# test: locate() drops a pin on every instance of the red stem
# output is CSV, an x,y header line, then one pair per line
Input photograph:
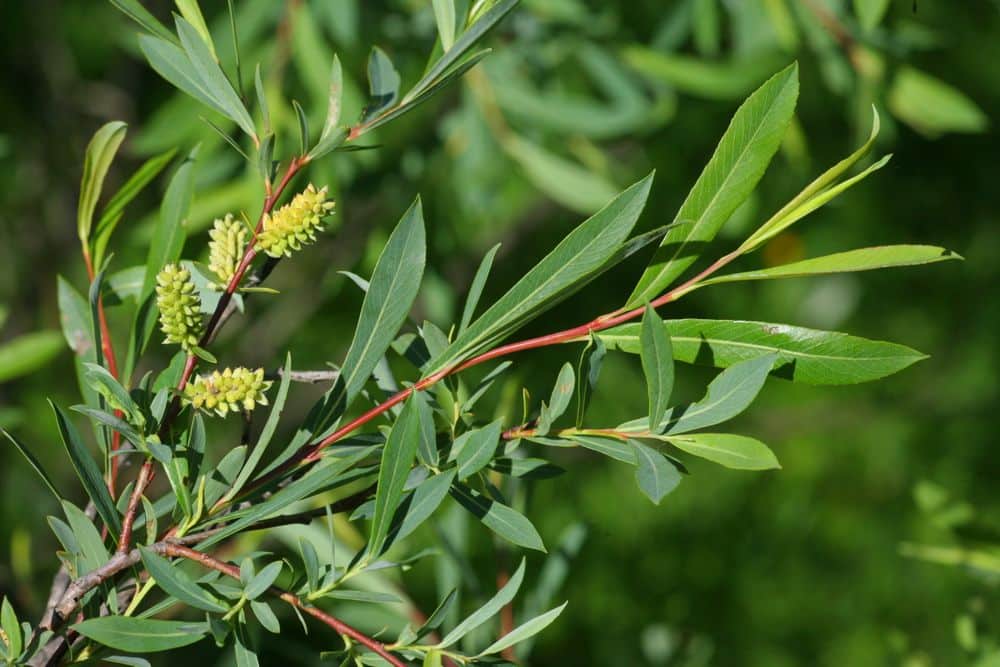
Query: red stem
x,y
336,624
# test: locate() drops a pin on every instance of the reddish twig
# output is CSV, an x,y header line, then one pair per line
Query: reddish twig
x,y
336,624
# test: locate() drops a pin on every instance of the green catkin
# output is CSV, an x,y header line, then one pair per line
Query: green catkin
x,y
180,307
295,224
232,390
228,241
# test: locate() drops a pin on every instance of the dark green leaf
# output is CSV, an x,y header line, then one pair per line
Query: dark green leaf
x,y
303,127
141,635
176,583
416,509
657,364
476,288
576,260
527,629
505,521
92,549
383,83
262,581
559,400
397,458
88,472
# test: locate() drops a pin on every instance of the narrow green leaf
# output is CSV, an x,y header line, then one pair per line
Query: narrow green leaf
x,y
324,475
172,63
135,11
262,581
477,449
141,635
33,462
739,162
112,213
335,98
87,471
862,259
265,112
266,616
397,458
176,583
266,433
166,246
444,16
729,394
654,473
28,353
657,364
192,13
243,652
559,400
300,114
488,610
383,83
393,288
116,396
85,534
580,257
100,152
732,451
527,629
476,288
610,447
310,562
805,355
416,509
213,80
505,521
473,34
818,193
702,77
12,629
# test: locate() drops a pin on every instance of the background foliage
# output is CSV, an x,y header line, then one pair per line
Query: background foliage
x,y
800,566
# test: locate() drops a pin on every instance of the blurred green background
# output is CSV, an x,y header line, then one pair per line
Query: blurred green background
x,y
796,567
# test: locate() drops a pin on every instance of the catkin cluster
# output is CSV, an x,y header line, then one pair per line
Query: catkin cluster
x,y
226,245
180,306
295,224
232,390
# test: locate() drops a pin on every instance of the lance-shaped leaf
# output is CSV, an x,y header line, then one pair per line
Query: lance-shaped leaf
x,y
33,462
383,83
503,597
397,458
87,471
654,473
732,451
390,294
579,258
862,259
465,41
729,394
505,521
476,448
419,506
100,152
817,193
28,353
444,16
805,355
113,212
559,400
738,163
175,582
527,629
657,364
476,288
141,635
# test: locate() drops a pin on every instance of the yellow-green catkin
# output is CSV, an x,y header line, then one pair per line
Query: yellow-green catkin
x,y
227,243
295,224
180,306
232,390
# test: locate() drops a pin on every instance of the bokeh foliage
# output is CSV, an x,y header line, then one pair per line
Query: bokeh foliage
x,y
797,567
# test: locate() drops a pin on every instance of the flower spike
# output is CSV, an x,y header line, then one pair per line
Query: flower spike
x,y
295,224
180,307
